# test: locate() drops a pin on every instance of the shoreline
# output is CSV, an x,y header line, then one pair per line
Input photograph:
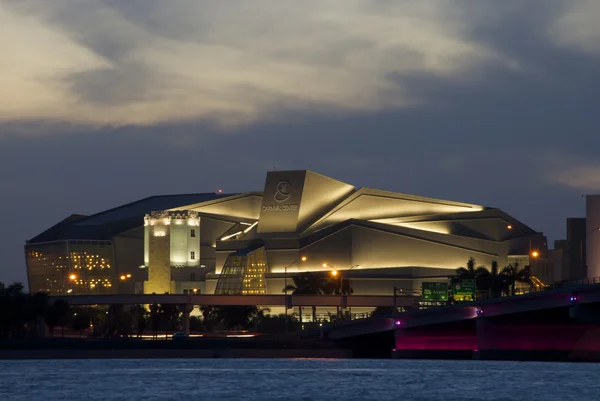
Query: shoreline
x,y
174,354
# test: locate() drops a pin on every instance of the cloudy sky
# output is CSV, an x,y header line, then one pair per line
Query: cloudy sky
x,y
107,101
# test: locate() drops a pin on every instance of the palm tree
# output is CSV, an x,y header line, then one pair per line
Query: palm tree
x,y
309,283
514,273
235,316
493,281
471,272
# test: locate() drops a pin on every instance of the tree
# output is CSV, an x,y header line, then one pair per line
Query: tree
x,y
171,317
276,324
81,320
140,317
471,272
494,281
514,273
57,314
309,283
234,317
39,309
155,318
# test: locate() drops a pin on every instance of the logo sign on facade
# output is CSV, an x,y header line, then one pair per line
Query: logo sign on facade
x,y
437,291
465,290
283,192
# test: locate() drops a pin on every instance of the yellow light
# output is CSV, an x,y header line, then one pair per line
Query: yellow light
x,y
129,276
334,273
324,264
123,277
535,254
509,227
303,258
195,290
72,277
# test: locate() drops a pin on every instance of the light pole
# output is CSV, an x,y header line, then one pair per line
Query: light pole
x,y
302,259
334,273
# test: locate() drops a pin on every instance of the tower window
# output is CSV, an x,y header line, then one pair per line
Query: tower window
x,y
193,233
192,255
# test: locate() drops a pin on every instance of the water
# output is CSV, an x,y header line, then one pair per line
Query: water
x,y
299,379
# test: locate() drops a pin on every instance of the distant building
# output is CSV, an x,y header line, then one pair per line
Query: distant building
x,y
98,254
592,235
569,255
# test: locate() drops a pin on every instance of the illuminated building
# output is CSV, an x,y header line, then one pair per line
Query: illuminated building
x,y
98,254
252,243
304,221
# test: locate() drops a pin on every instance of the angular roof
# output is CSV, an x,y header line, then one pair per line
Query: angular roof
x,y
106,224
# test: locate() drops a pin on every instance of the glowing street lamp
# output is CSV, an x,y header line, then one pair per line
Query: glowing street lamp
x,y
535,254
72,277
123,277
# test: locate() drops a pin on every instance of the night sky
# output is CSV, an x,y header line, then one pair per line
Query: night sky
x,y
104,102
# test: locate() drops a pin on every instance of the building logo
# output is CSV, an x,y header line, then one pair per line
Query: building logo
x,y
283,191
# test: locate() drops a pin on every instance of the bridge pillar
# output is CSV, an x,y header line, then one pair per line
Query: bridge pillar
x,y
588,313
186,309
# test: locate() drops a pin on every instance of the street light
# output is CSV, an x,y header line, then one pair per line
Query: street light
x,y
72,277
334,272
535,254
285,269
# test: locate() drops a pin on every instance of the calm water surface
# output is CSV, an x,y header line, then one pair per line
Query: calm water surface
x,y
296,379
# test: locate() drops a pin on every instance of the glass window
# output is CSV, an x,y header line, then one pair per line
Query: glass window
x,y
192,255
193,233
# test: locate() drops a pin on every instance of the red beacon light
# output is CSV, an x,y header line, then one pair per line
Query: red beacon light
x,y
220,191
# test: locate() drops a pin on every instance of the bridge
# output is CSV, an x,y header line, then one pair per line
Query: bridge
x,y
188,301
557,324
346,301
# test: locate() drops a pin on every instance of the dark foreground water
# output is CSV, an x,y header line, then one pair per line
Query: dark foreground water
x,y
300,379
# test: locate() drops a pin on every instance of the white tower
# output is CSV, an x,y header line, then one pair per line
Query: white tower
x,y
171,241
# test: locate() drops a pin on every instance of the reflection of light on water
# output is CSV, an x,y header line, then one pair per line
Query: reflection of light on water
x,y
162,336
240,335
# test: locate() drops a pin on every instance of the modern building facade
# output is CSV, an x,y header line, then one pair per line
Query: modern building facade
x,y
303,221
254,243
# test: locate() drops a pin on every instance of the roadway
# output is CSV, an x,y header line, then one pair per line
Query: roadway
x,y
245,300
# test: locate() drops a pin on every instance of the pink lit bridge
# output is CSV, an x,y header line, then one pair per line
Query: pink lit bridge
x,y
560,324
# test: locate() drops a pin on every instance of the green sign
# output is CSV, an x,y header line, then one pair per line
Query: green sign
x,y
465,290
434,291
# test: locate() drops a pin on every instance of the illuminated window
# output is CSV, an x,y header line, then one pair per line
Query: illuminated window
x,y
193,233
192,255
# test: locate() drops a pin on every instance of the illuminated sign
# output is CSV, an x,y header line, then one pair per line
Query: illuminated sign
x,y
279,208
465,290
283,192
435,291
